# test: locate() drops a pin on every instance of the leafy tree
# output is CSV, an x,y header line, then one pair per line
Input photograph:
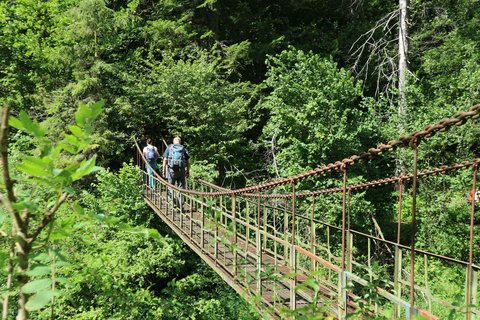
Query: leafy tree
x,y
190,97
316,114
33,197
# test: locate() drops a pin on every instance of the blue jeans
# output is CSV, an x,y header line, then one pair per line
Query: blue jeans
x,y
154,165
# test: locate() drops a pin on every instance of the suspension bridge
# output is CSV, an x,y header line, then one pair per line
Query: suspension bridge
x,y
277,246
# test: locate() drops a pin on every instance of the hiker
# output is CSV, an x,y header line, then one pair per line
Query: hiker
x,y
150,152
176,168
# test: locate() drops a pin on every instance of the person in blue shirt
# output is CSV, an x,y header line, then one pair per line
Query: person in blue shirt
x,y
150,152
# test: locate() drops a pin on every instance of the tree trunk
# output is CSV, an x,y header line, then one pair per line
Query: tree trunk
x,y
403,55
402,75
23,249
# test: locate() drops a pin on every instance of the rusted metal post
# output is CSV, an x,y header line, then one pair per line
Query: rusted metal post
x,y
202,213
349,236
293,260
259,247
234,249
397,284
285,230
275,211
191,214
469,293
313,234
265,225
215,232
342,305
414,228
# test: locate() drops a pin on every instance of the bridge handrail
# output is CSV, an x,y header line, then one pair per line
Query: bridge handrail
x,y
359,186
430,130
379,182
461,165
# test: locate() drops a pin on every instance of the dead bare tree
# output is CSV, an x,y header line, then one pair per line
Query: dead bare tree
x,y
373,49
402,76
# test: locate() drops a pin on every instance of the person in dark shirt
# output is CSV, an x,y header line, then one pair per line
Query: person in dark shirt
x,y
176,168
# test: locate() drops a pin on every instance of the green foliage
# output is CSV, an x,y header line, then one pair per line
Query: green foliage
x,y
43,168
115,272
315,115
184,67
43,182
190,97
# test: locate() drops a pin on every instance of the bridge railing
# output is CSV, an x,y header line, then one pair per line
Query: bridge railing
x,y
279,246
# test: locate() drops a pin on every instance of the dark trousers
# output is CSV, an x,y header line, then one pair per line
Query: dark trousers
x,y
177,178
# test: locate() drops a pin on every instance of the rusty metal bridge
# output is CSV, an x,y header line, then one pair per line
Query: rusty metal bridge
x,y
280,248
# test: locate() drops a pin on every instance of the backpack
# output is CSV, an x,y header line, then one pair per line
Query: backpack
x,y
151,154
176,157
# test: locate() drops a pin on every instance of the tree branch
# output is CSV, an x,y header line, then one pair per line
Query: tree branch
x,y
10,196
48,217
369,50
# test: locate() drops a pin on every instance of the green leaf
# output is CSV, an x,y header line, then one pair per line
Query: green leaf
x,y
86,114
81,115
86,167
39,300
42,257
34,167
25,123
39,271
67,147
64,281
3,217
14,122
78,208
154,234
96,109
3,259
312,284
74,141
36,285
77,131
62,264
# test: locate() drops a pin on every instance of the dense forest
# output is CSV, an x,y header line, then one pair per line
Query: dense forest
x,y
258,90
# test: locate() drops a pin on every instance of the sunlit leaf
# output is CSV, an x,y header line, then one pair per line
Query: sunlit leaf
x,y
73,140
77,131
78,208
86,167
36,285
82,114
96,109
14,122
39,271
3,259
23,122
63,281
42,257
35,167
39,300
